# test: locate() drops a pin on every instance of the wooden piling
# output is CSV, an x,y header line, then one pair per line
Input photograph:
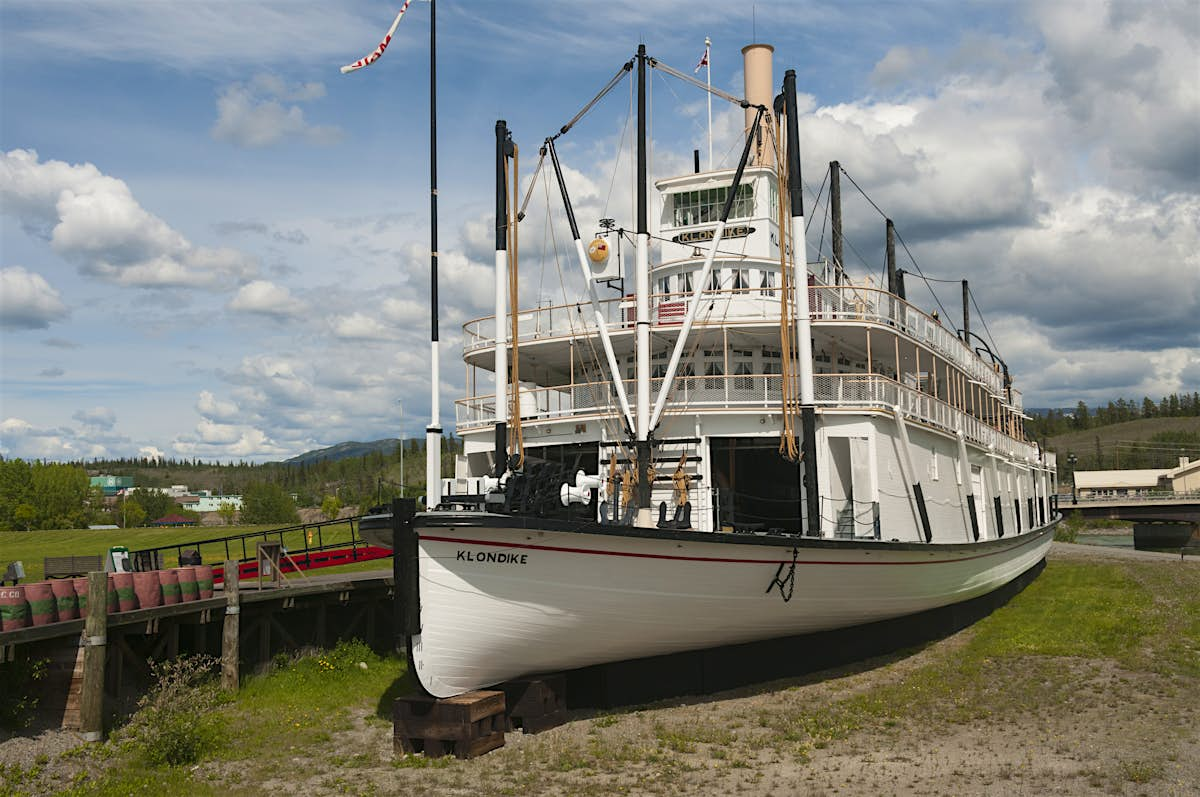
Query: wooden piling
x,y
95,642
229,639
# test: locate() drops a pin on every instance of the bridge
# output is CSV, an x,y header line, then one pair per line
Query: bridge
x,y
1178,507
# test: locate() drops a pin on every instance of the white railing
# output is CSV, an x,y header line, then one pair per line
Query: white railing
x,y
828,303
692,393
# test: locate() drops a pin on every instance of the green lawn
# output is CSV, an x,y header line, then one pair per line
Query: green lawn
x,y
30,547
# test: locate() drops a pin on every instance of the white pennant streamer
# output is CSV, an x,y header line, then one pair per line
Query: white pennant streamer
x,y
378,51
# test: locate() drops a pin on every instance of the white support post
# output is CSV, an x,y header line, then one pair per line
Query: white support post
x,y
964,485
501,336
685,330
433,436
605,340
908,471
642,291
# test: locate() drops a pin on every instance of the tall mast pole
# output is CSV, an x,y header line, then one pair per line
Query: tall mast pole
x,y
642,292
808,443
503,148
433,432
708,75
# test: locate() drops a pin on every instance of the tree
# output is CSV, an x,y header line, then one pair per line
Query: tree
x,y
330,507
132,513
154,503
1082,419
227,511
268,503
23,516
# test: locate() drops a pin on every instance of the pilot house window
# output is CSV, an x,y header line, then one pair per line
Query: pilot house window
x,y
700,207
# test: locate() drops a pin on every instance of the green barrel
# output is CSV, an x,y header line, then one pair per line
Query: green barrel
x,y
14,612
126,599
65,599
43,608
204,580
188,590
169,581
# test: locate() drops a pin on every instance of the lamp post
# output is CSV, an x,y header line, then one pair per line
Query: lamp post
x,y
1071,460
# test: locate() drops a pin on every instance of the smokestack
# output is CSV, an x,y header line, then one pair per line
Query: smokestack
x,y
966,329
696,161
756,60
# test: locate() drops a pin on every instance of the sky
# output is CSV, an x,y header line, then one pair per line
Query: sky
x,y
214,245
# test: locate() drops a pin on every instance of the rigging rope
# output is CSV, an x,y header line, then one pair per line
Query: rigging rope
x,y
516,435
656,64
625,69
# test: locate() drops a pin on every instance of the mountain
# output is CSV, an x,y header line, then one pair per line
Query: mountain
x,y
351,448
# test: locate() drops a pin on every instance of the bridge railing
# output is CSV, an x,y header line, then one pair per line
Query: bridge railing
x,y
1148,497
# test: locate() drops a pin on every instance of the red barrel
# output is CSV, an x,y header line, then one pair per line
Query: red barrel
x,y
65,599
80,585
147,589
187,583
14,612
169,581
40,598
204,580
114,603
126,598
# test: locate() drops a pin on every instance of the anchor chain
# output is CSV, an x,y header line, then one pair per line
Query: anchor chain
x,y
788,584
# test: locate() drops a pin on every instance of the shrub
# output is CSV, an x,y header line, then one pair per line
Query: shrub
x,y
176,721
19,697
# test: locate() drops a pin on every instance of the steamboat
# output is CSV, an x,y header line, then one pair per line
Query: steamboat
x,y
749,444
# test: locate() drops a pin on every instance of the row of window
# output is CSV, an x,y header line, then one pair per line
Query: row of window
x,y
711,362
705,205
720,278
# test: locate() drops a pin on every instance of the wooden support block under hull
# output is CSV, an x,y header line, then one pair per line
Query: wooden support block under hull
x,y
466,725
536,704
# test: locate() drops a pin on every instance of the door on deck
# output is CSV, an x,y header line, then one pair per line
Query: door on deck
x,y
851,508
979,490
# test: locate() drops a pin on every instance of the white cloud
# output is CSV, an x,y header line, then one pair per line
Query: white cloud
x,y
266,298
358,326
213,408
93,220
255,115
19,438
150,452
27,301
97,417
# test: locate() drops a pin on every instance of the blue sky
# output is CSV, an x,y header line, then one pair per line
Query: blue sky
x,y
213,244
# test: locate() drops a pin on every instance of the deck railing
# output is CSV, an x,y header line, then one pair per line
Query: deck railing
x,y
828,303
758,391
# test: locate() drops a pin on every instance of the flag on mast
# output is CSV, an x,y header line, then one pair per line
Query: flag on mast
x,y
703,58
383,45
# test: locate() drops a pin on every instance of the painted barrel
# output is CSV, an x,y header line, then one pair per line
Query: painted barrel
x,y
42,605
169,581
187,583
65,599
14,612
126,597
114,602
80,585
147,589
204,580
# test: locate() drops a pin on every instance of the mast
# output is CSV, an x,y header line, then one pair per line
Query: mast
x,y
891,257
642,292
966,330
708,80
433,432
835,213
808,415
503,147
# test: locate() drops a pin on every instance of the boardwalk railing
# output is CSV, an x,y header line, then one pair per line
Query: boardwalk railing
x,y
300,542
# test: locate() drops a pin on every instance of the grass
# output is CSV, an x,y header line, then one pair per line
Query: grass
x,y
1084,636
31,547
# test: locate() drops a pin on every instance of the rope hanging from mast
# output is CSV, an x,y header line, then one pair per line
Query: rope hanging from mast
x,y
516,436
739,101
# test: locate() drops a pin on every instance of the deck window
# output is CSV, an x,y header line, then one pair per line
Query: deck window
x,y
766,283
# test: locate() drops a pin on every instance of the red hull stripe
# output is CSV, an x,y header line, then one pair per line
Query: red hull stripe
x,y
559,549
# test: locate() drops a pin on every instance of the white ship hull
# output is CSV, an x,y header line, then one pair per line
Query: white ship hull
x,y
505,597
